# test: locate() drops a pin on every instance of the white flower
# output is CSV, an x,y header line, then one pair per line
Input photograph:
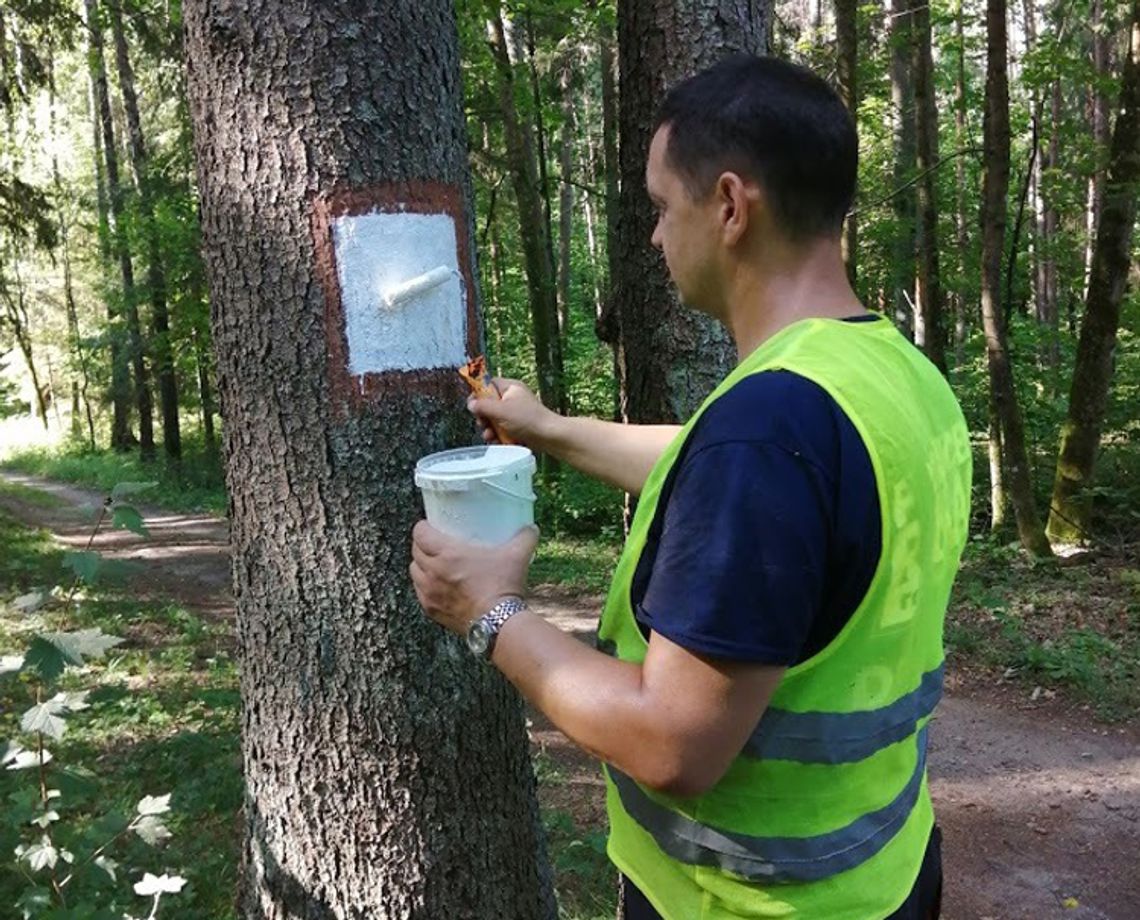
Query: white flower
x,y
159,884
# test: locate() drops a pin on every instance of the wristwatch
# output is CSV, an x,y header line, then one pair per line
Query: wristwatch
x,y
483,632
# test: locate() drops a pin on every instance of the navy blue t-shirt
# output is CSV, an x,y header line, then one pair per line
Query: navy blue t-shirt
x,y
768,530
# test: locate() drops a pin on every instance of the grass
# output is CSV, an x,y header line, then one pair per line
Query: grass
x,y
164,718
30,496
576,563
1076,627
194,485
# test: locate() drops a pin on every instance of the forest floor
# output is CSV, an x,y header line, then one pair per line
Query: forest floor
x,y
1038,799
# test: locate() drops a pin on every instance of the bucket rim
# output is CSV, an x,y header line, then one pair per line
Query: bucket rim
x,y
425,473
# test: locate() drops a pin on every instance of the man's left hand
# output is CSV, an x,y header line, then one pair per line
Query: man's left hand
x,y
458,582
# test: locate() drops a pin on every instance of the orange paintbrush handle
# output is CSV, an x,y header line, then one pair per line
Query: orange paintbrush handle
x,y
482,384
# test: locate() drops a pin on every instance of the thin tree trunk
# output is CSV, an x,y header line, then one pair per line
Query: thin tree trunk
x,y
122,438
928,282
1071,513
566,196
156,276
673,356
118,237
960,299
606,326
995,183
386,772
903,107
205,391
75,342
1098,106
847,58
533,229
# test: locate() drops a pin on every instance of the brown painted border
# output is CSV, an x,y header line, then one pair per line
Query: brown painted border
x,y
348,392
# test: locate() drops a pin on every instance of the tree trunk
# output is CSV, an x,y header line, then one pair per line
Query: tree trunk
x,y
205,391
960,299
566,195
1098,110
533,229
118,235
606,325
902,103
156,277
672,356
928,283
847,44
386,772
75,342
16,315
122,438
1070,517
995,183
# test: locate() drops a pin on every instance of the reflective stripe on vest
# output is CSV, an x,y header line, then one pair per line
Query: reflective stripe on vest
x,y
837,737
772,859
843,737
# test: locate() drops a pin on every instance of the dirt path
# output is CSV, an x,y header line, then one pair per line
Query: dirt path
x,y
1040,808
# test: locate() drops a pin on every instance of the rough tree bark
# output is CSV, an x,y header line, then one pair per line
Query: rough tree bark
x,y
155,274
386,772
672,356
995,184
928,282
534,227
118,235
847,61
1071,511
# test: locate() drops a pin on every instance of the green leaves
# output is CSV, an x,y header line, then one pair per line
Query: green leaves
x,y
52,653
129,519
123,489
148,825
85,564
46,717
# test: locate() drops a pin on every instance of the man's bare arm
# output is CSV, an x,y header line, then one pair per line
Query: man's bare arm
x,y
621,455
673,723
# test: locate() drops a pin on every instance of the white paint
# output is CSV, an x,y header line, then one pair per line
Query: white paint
x,y
417,286
379,254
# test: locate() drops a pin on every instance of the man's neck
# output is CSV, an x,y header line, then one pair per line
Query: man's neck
x,y
786,285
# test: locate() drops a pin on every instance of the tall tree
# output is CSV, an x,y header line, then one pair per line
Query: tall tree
x,y
118,234
995,184
847,61
903,113
156,276
1080,436
960,134
386,772
672,356
534,223
566,190
122,437
928,283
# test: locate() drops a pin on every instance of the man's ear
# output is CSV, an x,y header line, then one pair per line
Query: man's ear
x,y
735,198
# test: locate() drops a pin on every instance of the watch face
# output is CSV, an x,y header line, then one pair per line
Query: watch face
x,y
478,638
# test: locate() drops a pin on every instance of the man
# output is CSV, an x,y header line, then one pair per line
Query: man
x,y
771,648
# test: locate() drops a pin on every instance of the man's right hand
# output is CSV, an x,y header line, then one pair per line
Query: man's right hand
x,y
518,414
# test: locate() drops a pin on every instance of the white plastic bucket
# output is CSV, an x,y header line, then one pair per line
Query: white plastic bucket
x,y
481,494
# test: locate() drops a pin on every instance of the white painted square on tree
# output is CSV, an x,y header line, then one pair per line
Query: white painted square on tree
x,y
375,254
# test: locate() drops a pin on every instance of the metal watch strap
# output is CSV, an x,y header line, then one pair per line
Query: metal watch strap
x,y
494,619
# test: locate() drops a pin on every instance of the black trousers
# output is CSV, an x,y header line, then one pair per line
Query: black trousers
x,y
923,903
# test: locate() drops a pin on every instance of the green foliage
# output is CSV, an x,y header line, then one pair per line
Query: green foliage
x,y
587,888
63,823
194,485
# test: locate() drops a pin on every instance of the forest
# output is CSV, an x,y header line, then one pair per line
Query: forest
x,y
999,174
